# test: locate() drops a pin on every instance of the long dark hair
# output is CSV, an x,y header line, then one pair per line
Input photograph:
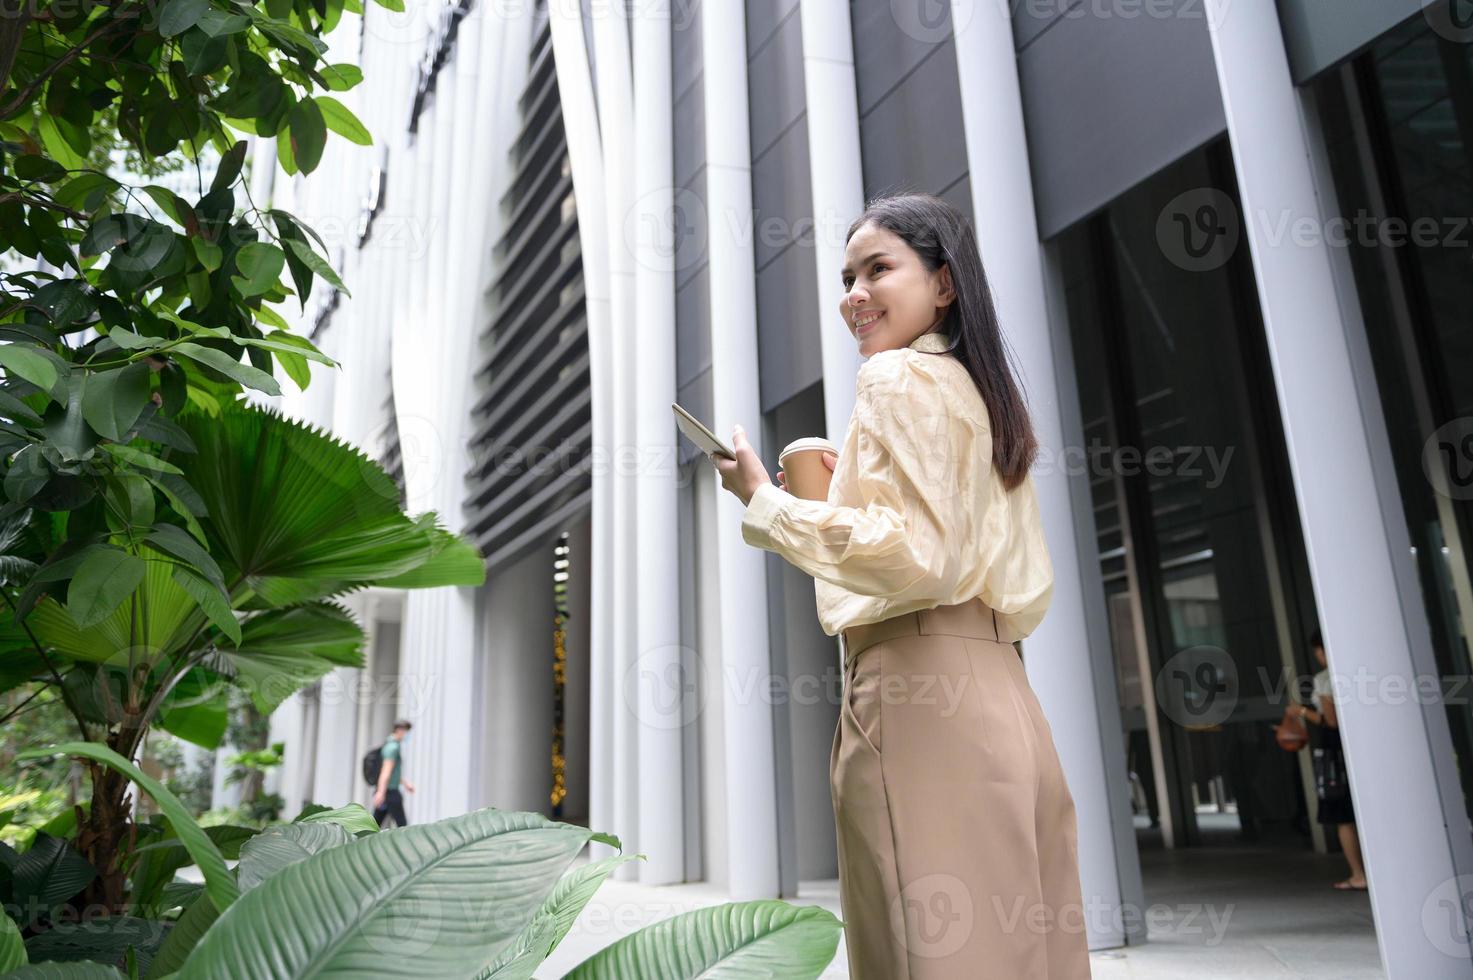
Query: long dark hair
x,y
940,234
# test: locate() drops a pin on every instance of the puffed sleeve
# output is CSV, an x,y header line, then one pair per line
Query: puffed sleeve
x,y
922,470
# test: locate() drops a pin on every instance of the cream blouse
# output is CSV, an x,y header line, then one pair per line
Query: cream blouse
x,y
917,515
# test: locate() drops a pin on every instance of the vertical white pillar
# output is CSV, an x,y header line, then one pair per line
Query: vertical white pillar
x,y
1394,749
838,190
646,234
610,778
1086,727
743,641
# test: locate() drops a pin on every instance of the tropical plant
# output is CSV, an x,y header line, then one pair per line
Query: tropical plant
x,y
136,619
487,895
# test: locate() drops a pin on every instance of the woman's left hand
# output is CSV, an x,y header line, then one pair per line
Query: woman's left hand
x,y
743,475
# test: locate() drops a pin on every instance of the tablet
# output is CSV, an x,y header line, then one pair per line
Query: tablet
x,y
697,433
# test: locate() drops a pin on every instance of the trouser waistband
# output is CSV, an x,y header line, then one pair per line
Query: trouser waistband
x,y
973,618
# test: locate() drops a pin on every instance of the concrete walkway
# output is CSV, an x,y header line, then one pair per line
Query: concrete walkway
x,y
1218,912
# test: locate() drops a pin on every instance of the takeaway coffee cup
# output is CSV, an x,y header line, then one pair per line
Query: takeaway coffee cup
x,y
803,468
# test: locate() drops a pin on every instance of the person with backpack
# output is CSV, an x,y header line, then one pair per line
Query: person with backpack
x,y
383,768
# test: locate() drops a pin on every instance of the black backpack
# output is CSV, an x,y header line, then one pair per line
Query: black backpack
x,y
372,763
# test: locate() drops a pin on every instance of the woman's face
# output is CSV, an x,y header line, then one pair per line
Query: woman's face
x,y
889,298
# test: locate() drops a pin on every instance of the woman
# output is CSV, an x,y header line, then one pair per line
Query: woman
x,y
1332,784
956,830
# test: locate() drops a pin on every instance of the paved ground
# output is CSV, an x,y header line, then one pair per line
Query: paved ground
x,y
1218,912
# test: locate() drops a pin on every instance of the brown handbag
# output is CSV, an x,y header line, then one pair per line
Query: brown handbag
x,y
1290,733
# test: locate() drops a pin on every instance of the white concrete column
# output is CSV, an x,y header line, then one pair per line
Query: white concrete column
x,y
741,580
1085,721
838,190
647,235
1394,746
613,84
611,780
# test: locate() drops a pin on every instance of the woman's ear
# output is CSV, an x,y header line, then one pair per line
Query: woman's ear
x,y
945,291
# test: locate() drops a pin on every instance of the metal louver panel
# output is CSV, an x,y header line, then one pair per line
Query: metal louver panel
x,y
532,422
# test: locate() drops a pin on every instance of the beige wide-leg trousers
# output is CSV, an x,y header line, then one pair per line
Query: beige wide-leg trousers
x,y
958,855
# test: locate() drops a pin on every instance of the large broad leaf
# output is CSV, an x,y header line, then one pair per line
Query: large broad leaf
x,y
559,911
51,872
352,817
300,515
167,617
103,938
283,650
12,947
433,900
766,938
219,882
65,971
261,857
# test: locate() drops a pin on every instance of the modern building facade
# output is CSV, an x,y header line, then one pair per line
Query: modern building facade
x,y
1229,244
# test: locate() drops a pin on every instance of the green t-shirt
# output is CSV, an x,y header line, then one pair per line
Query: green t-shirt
x,y
391,751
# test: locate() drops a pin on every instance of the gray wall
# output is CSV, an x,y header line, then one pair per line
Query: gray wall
x,y
1109,100
1319,34
910,129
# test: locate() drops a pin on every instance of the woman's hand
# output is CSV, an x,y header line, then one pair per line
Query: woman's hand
x,y
743,475
829,459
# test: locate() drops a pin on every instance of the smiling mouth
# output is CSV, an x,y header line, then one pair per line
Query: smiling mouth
x,y
864,328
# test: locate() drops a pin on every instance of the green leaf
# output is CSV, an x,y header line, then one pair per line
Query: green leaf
x,y
307,131
281,846
455,892
281,651
29,363
197,709
559,911
766,938
341,120
82,970
179,16
289,342
211,598
140,458
315,262
260,265
98,938
12,947
51,872
209,254
247,375
113,400
340,78
106,578
219,883
353,818
173,540
188,929
56,144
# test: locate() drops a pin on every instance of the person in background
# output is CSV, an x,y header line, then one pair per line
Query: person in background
x,y
1325,735
387,800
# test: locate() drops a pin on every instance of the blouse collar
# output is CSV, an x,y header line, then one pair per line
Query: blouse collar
x,y
932,342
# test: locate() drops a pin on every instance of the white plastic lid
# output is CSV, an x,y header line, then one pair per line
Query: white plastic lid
x,y
808,442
